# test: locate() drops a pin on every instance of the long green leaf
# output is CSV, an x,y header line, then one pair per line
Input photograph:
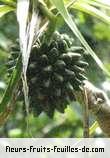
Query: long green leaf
x,y
63,11
8,95
97,3
92,11
5,9
103,3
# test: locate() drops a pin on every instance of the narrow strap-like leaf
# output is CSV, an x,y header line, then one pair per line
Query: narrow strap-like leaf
x,y
15,77
63,11
5,9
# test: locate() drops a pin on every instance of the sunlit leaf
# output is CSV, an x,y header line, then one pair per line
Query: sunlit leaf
x,y
103,3
92,11
97,3
5,9
93,127
28,26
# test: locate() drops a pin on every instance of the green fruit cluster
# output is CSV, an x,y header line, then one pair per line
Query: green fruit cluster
x,y
55,72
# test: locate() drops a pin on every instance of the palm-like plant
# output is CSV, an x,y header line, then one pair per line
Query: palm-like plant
x,y
32,24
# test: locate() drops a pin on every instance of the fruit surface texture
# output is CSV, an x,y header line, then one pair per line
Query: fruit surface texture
x,y
55,71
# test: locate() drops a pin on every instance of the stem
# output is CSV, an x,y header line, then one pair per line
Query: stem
x,y
52,18
83,100
43,8
86,116
9,109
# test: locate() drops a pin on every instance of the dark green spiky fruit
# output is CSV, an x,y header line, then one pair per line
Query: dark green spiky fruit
x,y
55,72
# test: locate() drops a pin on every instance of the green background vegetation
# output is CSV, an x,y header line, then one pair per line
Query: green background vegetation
x,y
69,124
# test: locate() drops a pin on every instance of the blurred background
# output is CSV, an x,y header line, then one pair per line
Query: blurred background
x,y
69,124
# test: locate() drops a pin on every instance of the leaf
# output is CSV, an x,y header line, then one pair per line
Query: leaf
x,y
97,3
92,11
5,9
22,18
10,3
93,127
101,3
7,1
28,26
63,11
15,77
